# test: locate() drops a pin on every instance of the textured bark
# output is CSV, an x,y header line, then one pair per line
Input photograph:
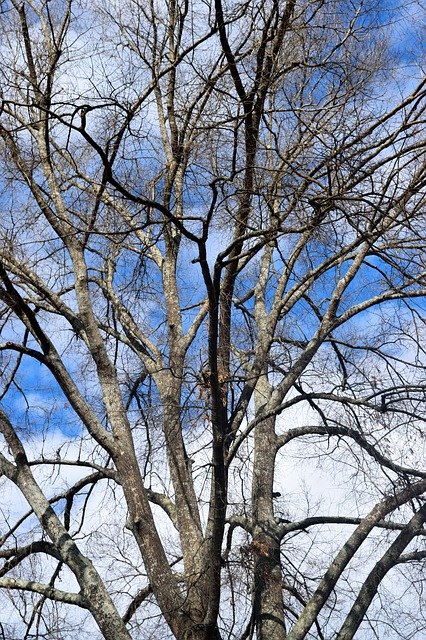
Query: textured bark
x,y
198,200
385,564
93,591
268,608
328,582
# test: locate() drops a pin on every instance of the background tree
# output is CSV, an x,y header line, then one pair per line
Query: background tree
x,y
212,284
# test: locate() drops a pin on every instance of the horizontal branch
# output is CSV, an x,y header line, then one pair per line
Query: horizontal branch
x,y
301,525
414,556
45,590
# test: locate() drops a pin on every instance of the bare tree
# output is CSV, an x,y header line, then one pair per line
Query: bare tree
x,y
212,282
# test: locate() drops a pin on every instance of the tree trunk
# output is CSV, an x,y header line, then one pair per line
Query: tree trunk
x,y
268,607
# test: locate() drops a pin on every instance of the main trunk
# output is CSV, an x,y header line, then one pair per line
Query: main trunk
x,y
268,608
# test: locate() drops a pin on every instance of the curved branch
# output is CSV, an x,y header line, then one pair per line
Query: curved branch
x,y
354,435
17,555
165,503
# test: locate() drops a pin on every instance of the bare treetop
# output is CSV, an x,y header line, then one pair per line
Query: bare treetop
x,y
212,300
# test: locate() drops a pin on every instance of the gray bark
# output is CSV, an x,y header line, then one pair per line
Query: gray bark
x,y
268,608
93,591
371,584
